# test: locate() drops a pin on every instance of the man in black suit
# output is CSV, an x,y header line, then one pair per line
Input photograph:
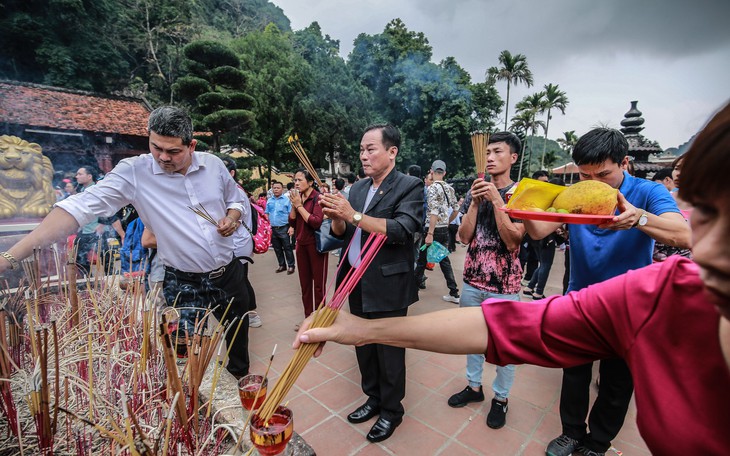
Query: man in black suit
x,y
388,202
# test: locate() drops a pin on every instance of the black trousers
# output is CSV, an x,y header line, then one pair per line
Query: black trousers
x,y
440,235
282,246
607,415
382,367
194,293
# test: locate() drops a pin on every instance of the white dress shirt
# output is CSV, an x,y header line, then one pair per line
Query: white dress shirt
x,y
242,240
185,241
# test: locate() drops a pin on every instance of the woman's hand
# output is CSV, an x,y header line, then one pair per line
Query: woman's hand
x,y
296,198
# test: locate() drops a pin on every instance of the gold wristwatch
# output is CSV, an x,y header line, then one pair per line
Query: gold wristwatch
x,y
356,218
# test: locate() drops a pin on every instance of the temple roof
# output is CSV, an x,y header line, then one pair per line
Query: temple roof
x,y
52,107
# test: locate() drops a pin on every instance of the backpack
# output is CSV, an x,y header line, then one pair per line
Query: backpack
x,y
261,230
132,255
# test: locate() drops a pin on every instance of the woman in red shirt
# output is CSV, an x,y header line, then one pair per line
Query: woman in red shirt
x,y
306,217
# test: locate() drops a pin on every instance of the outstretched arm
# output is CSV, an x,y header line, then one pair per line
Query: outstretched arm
x,y
454,331
56,227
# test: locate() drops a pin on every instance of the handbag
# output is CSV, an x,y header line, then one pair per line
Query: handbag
x,y
324,241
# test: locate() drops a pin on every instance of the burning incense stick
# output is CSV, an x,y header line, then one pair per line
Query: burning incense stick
x,y
479,141
296,146
324,316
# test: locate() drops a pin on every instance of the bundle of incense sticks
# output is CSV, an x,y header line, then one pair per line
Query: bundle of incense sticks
x,y
200,211
296,146
323,317
479,141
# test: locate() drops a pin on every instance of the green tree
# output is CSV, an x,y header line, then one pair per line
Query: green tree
x,y
514,70
524,122
432,104
486,104
553,98
336,107
63,43
277,78
568,141
214,88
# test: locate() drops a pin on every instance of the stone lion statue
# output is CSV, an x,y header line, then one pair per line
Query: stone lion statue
x,y
26,188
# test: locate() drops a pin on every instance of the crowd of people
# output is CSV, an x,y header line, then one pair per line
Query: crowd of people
x,y
644,295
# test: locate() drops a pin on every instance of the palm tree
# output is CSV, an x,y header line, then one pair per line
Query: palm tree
x,y
567,142
514,69
553,98
525,121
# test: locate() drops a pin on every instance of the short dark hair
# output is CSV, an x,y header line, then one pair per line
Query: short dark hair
x,y
307,175
230,163
290,185
599,145
557,181
262,195
662,174
540,173
339,183
91,170
309,178
172,122
415,171
391,135
350,178
361,173
274,182
706,164
508,138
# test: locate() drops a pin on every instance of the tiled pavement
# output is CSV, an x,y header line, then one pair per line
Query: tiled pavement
x,y
329,387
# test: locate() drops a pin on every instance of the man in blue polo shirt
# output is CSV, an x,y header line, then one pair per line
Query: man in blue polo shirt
x,y
646,213
278,207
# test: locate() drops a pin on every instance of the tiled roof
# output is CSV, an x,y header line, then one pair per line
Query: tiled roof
x,y
648,166
52,107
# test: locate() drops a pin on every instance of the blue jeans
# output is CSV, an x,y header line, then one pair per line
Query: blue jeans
x,y
473,297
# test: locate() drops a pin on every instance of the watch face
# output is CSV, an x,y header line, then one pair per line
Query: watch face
x,y
643,219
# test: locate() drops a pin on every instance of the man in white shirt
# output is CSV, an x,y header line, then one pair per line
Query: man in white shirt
x,y
200,270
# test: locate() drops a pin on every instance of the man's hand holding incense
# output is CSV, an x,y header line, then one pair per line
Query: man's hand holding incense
x,y
478,191
347,329
228,225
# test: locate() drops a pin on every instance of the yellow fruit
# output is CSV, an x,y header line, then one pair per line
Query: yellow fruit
x,y
588,197
532,194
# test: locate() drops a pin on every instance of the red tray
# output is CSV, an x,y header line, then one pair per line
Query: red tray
x,y
576,219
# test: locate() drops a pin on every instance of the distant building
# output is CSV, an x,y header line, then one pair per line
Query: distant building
x,y
640,148
74,127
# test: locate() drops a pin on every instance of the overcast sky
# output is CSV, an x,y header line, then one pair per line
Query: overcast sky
x,y
671,55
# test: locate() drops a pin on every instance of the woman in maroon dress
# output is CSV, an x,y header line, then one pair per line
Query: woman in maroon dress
x,y
306,217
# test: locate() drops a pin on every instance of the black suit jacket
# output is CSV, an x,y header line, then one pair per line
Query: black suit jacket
x,y
389,282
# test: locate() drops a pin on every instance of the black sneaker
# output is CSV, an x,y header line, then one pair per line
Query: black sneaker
x,y
466,396
497,416
562,446
583,451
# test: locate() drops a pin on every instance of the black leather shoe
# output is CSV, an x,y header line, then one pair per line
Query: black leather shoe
x,y
363,413
382,429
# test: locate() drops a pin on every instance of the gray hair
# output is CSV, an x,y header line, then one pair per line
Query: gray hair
x,y
173,122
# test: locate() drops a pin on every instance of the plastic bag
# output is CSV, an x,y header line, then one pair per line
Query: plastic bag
x,y
436,252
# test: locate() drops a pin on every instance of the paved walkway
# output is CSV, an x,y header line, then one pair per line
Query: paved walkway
x,y
329,388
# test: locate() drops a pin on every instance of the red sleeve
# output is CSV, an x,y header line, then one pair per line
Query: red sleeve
x,y
315,215
600,321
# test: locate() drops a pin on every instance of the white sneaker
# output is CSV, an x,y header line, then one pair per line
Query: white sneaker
x,y
254,321
449,298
